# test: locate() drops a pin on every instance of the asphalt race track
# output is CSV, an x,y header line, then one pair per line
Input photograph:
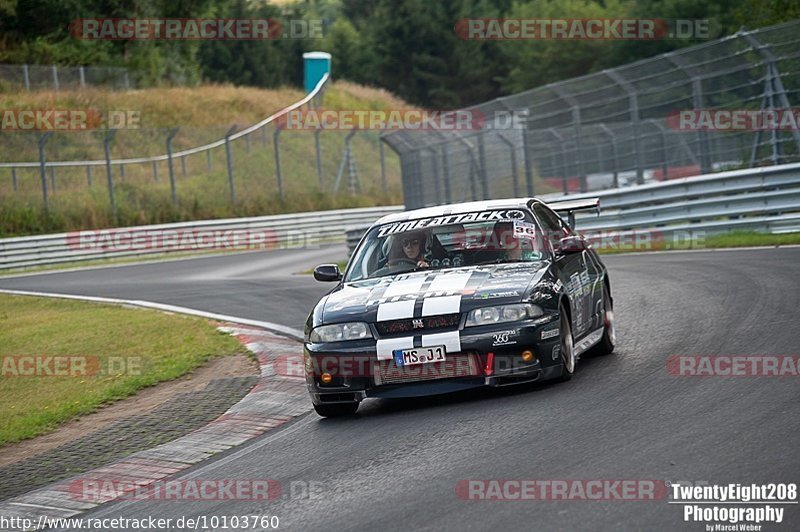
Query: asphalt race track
x,y
396,465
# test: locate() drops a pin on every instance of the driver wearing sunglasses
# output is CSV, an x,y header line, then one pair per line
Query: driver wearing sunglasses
x,y
413,245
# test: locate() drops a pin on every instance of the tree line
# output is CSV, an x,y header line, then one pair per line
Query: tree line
x,y
410,47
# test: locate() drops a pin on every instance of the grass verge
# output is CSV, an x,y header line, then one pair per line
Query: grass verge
x,y
62,359
735,239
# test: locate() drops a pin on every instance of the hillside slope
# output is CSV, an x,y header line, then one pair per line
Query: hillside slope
x,y
203,114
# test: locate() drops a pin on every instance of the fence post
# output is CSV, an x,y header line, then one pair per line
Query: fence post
x,y
14,178
383,167
42,165
473,187
183,165
446,167
663,133
55,77
174,193
773,77
633,99
109,175
208,159
26,76
613,153
155,171
89,176
560,140
697,102
513,152
229,156
576,124
528,162
344,161
82,76
122,172
353,185
276,140
437,182
318,149
247,143
483,172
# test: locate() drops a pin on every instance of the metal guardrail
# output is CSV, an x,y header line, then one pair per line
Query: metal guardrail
x,y
760,192
762,199
279,231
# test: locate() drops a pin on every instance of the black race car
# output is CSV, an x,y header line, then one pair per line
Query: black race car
x,y
453,297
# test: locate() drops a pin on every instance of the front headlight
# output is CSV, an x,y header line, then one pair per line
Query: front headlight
x,y
502,314
340,332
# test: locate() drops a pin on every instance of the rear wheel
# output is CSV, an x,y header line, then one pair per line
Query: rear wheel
x,y
568,360
606,345
336,409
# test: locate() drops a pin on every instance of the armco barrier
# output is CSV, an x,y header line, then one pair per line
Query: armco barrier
x,y
756,199
762,199
285,231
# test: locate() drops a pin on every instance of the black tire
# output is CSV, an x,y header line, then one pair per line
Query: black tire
x,y
568,359
606,344
336,409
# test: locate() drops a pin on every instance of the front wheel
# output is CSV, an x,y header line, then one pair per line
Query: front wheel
x,y
336,409
567,346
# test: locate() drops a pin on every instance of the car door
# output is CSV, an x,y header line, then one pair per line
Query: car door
x,y
571,268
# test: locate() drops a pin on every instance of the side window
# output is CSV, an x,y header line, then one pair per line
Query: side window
x,y
554,227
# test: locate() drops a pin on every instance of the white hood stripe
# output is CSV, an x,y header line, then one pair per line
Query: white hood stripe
x,y
396,310
434,306
401,287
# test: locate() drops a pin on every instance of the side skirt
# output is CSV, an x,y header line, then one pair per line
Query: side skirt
x,y
588,341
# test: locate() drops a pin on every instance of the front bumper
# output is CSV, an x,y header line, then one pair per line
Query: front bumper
x,y
490,355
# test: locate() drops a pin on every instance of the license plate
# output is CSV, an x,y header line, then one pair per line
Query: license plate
x,y
419,355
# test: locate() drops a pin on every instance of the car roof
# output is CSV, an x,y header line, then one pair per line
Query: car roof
x,y
456,208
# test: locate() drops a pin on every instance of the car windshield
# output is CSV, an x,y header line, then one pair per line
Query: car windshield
x,y
450,241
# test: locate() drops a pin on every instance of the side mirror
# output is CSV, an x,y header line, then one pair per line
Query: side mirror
x,y
327,272
571,244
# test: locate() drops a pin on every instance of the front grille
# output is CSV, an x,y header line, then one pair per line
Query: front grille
x,y
454,366
427,323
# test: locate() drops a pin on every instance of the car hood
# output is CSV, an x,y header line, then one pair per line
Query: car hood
x,y
454,290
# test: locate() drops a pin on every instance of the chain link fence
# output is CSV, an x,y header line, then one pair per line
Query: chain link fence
x,y
207,170
615,128
53,77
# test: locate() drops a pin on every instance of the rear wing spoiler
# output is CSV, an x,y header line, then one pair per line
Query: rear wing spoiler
x,y
570,207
